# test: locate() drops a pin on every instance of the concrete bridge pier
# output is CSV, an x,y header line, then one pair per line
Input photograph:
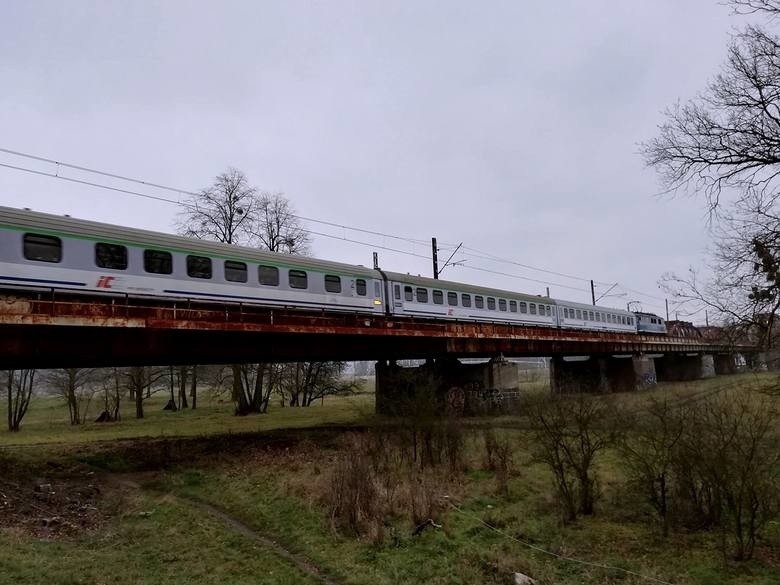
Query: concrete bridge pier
x,y
601,374
725,363
675,367
444,381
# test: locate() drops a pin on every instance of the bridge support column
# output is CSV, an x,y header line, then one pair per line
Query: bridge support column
x,y
685,367
444,384
601,374
724,364
644,371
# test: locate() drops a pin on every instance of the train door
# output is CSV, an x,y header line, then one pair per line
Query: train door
x,y
398,302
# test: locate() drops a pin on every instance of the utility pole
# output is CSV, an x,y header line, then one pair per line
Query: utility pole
x,y
667,309
435,255
706,318
592,293
548,292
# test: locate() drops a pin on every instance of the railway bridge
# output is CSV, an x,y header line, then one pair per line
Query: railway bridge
x,y
55,329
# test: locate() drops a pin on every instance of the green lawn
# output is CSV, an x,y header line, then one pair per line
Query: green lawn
x,y
47,420
276,483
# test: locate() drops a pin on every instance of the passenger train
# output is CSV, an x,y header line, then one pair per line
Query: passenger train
x,y
39,250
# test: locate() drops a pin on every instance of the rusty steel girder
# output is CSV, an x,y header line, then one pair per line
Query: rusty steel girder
x,y
48,330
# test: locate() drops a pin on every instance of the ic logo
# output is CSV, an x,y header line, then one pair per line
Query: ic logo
x,y
105,281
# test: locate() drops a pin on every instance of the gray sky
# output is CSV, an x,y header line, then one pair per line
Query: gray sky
x,y
511,126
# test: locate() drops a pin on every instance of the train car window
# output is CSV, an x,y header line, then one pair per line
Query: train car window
x,y
377,290
332,283
533,308
502,304
360,288
298,279
513,306
422,295
565,313
158,262
479,302
408,294
578,312
198,267
466,300
622,320
452,299
548,310
438,297
598,317
42,248
268,275
397,292
111,256
590,316
491,302
235,271
523,307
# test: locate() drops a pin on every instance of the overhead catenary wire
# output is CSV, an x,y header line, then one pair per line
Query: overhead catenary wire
x,y
171,189
473,252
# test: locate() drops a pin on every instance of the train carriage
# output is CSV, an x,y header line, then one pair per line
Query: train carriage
x,y
39,250
582,316
417,296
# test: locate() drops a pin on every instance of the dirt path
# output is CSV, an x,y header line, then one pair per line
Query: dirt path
x,y
302,563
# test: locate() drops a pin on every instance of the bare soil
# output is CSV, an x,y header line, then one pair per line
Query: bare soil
x,y
52,501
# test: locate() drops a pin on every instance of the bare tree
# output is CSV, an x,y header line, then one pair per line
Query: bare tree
x,y
224,212
570,432
729,467
112,384
771,7
77,387
729,137
650,450
19,386
277,228
726,141
233,212
142,382
302,383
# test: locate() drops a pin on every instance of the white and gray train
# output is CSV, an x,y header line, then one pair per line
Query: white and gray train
x,y
39,250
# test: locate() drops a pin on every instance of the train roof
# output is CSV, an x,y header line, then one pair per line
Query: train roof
x,y
67,226
465,287
644,314
593,307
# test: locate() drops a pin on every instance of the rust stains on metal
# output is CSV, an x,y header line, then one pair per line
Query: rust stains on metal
x,y
181,329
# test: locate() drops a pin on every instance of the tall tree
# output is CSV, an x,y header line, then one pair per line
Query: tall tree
x,y
142,382
233,212
224,212
725,145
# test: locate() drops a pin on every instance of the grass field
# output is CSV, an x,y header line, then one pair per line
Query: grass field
x,y
47,420
271,474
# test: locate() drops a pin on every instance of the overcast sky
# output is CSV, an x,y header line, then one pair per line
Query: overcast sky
x,y
510,126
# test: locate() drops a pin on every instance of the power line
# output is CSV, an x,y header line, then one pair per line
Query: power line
x,y
487,256
472,252
166,188
498,272
98,185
